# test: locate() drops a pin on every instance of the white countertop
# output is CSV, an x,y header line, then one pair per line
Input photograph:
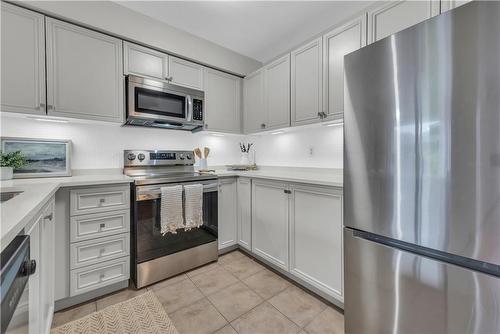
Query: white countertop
x,y
318,176
20,210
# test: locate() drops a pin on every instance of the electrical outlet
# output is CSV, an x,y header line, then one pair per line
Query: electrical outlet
x,y
311,151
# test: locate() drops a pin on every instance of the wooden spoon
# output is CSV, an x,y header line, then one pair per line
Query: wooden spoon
x,y
197,151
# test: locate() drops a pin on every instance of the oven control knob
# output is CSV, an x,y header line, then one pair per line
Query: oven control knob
x,y
141,156
131,156
188,157
181,156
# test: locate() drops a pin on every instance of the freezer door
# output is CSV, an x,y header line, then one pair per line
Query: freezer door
x,y
422,134
393,291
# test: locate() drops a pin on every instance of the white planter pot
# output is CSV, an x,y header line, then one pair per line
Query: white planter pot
x,y
6,173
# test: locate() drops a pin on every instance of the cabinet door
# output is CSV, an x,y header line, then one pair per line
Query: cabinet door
x,y
398,15
35,320
277,93
316,237
185,73
270,222
47,267
228,215
336,44
84,73
307,81
23,61
244,190
139,60
447,5
222,101
253,93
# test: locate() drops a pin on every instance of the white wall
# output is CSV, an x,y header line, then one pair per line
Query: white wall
x,y
293,147
101,145
120,21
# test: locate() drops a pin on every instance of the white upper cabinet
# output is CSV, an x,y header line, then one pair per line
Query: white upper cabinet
x,y
336,44
270,221
23,61
222,101
306,83
399,15
185,73
277,93
84,73
142,61
447,5
228,212
316,248
255,117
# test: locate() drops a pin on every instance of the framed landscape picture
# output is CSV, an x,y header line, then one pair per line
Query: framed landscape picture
x,y
45,157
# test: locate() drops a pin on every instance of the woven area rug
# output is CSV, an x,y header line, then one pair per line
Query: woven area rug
x,y
143,314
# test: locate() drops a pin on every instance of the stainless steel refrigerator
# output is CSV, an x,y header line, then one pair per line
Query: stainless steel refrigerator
x,y
422,178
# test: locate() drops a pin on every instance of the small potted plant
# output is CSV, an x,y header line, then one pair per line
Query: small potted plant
x,y
9,162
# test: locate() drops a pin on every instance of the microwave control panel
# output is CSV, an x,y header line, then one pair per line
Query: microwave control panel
x,y
197,110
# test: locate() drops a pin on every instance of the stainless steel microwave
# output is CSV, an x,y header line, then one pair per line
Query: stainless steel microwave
x,y
158,103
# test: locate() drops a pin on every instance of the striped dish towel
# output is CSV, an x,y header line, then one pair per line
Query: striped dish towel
x,y
171,213
193,206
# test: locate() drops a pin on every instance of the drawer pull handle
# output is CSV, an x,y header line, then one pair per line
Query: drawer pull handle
x,y
49,217
101,277
102,226
102,200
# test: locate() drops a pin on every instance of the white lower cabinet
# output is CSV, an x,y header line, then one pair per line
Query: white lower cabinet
x,y
93,242
99,275
34,280
296,228
316,237
270,221
228,213
244,206
41,283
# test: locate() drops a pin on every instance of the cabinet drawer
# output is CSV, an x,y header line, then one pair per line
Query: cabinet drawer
x,y
97,225
101,199
100,275
96,251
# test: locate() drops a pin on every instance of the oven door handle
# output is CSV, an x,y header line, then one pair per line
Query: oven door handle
x,y
155,192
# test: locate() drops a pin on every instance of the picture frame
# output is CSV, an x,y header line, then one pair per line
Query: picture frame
x,y
46,157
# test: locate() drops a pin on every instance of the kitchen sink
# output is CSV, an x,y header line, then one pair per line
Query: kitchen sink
x,y
7,195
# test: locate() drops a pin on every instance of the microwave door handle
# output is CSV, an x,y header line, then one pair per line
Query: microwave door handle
x,y
189,106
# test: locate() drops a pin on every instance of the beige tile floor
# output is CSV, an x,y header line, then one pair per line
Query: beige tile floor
x,y
235,295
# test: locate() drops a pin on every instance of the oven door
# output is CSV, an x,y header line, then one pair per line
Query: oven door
x,y
150,243
156,100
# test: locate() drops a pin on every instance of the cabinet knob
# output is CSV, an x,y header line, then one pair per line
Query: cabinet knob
x,y
49,216
263,126
41,106
101,277
286,191
102,226
169,78
102,200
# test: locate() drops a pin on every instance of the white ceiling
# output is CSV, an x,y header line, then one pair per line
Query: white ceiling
x,y
258,29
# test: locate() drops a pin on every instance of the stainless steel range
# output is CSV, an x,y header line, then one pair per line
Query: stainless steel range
x,y
156,256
